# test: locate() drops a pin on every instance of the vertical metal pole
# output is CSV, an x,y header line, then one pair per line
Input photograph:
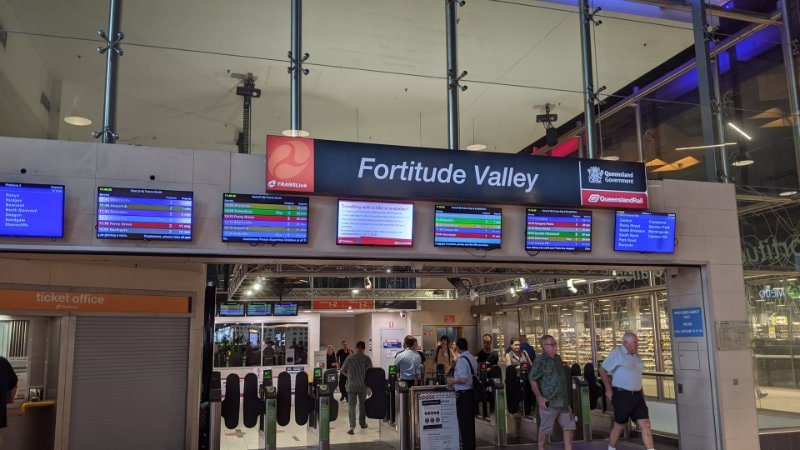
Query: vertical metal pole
x,y
296,69
113,52
718,115
588,79
593,330
453,77
639,132
702,58
791,79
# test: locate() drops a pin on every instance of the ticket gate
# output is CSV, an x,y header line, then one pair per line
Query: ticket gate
x,y
215,412
269,397
323,408
398,434
522,427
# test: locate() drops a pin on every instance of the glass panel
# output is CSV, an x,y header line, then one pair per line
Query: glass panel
x,y
665,325
254,344
604,327
643,327
567,342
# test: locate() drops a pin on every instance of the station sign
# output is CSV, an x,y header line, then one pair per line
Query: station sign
x,y
339,305
371,170
92,302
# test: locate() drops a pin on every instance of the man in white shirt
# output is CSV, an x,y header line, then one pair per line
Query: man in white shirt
x,y
408,362
625,389
461,382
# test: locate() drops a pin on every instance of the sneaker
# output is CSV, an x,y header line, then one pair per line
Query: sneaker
x,y
350,431
364,426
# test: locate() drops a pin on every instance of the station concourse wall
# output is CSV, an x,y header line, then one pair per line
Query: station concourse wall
x,y
708,238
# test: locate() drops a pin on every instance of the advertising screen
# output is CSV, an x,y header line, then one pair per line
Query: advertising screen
x,y
467,226
644,232
375,223
561,230
264,218
144,214
231,309
284,309
31,210
259,309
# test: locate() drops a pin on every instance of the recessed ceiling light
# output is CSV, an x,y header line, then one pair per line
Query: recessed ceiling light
x,y
743,162
296,133
78,121
610,158
787,193
476,147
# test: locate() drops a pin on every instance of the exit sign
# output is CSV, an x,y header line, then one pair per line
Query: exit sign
x,y
449,318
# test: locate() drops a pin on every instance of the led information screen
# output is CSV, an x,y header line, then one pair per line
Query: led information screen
x,y
259,309
467,226
144,214
284,309
375,223
558,230
264,218
644,232
31,210
231,309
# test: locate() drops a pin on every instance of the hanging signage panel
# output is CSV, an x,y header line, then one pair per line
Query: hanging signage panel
x,y
371,170
342,304
94,302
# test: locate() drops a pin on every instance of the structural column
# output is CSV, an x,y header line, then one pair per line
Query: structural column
x,y
296,68
791,79
112,50
453,77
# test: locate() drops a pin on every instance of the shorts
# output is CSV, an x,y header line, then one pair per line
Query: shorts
x,y
628,406
547,419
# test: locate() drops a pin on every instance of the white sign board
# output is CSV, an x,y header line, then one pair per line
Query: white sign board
x,y
438,424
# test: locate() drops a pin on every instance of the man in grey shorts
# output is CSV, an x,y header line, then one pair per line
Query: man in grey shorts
x,y
549,385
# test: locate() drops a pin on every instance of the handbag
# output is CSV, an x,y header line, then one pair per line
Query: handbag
x,y
478,390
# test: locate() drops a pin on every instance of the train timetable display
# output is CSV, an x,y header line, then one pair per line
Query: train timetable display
x,y
144,214
467,226
264,218
558,230
31,210
644,232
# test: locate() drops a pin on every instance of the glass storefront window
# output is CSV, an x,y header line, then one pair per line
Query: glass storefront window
x,y
604,328
256,344
665,328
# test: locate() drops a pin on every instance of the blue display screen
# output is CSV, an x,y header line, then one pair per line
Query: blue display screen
x,y
144,214
284,309
644,232
31,210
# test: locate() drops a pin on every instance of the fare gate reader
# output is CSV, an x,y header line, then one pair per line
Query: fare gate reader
x,y
269,394
215,411
319,420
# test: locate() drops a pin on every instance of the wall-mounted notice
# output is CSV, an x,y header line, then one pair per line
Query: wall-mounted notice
x,y
438,425
31,210
688,322
375,223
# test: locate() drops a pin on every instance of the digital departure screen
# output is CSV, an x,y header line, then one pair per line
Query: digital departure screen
x,y
644,232
284,309
467,226
144,214
31,210
264,218
231,309
561,230
259,309
375,223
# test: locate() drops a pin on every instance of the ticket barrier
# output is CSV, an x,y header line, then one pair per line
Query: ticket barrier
x,y
491,423
579,400
391,386
522,426
269,396
324,408
398,434
215,411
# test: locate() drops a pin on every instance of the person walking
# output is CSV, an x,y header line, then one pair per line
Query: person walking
x,y
444,354
622,376
330,358
466,367
549,385
341,355
486,354
516,357
8,389
408,362
354,368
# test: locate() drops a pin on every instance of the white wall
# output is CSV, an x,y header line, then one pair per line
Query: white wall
x,y
335,329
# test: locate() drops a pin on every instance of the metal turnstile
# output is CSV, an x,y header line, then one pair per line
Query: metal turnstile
x,y
491,424
269,395
215,412
398,433
319,419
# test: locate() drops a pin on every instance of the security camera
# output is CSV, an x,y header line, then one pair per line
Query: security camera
x,y
673,272
402,313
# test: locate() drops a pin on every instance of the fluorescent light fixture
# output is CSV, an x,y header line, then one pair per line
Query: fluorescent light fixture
x,y
739,130
571,286
248,292
523,284
787,193
703,147
78,121
610,158
476,147
355,291
296,133
742,161
257,286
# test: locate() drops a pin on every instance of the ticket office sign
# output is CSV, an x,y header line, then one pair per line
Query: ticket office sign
x,y
92,302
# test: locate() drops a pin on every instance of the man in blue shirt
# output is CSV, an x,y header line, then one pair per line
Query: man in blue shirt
x,y
408,362
466,368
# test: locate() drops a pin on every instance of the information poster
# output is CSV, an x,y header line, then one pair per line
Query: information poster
x,y
375,223
438,424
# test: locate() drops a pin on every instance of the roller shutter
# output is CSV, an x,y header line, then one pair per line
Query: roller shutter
x,y
129,383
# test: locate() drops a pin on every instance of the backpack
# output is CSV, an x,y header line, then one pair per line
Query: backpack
x,y
478,390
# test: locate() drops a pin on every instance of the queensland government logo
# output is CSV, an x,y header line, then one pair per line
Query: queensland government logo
x,y
290,164
595,174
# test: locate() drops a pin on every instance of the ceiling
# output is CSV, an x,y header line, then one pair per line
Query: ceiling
x,y
376,67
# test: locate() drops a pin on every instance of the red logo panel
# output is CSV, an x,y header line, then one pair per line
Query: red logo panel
x,y
613,199
290,164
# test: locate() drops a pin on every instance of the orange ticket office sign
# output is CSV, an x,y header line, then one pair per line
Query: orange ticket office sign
x,y
93,302
342,305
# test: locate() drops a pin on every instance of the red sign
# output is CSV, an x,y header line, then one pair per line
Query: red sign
x,y
342,304
449,318
613,199
290,164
